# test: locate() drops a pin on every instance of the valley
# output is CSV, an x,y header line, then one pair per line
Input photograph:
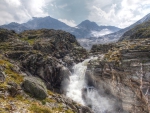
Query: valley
x,y
48,71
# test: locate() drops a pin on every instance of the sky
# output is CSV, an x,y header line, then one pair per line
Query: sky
x,y
119,13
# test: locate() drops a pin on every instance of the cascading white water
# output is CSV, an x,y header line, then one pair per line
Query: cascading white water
x,y
77,84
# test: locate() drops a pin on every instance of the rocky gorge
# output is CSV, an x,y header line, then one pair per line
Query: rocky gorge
x,y
123,75
36,67
37,62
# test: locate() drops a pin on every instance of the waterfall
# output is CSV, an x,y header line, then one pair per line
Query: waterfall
x,y
77,82
78,85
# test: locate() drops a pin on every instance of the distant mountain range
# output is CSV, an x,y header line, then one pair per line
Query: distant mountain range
x,y
137,32
85,29
125,33
87,33
118,34
88,29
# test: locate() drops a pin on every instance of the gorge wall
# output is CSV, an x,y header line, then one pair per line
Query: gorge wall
x,y
116,81
123,75
33,65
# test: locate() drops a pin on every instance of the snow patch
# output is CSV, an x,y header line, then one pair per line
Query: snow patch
x,y
101,33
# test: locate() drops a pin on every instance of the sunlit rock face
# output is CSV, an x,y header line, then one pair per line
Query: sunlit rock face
x,y
123,75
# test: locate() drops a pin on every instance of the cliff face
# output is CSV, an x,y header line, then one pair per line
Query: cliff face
x,y
37,62
44,53
123,75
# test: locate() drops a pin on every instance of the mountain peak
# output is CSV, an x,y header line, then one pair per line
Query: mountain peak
x,y
86,21
46,17
13,23
45,22
87,24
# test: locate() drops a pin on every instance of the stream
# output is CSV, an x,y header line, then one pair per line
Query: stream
x,y
78,86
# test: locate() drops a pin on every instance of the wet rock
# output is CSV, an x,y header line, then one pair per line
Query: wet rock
x,y
35,87
64,73
86,110
84,93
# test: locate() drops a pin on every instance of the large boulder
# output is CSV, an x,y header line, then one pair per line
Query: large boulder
x,y
35,87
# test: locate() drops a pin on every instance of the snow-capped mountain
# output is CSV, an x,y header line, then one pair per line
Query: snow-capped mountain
x,y
112,37
85,29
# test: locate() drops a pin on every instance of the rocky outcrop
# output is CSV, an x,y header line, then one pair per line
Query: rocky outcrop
x,y
35,87
59,44
45,53
32,55
123,76
6,35
77,108
14,99
47,68
101,48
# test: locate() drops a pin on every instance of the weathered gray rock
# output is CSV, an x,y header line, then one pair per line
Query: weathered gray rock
x,y
77,108
101,48
124,79
2,77
13,89
35,86
64,73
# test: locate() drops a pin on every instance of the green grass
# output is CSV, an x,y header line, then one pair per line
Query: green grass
x,y
35,108
30,41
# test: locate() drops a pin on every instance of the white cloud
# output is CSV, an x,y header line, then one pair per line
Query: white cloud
x,y
102,17
21,10
68,22
62,6
122,13
13,2
119,13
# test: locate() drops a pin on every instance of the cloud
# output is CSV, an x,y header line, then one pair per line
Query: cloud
x,y
68,22
118,13
71,10
102,17
21,10
63,6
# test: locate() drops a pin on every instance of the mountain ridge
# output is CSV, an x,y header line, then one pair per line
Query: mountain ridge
x,y
122,31
139,31
112,37
83,30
